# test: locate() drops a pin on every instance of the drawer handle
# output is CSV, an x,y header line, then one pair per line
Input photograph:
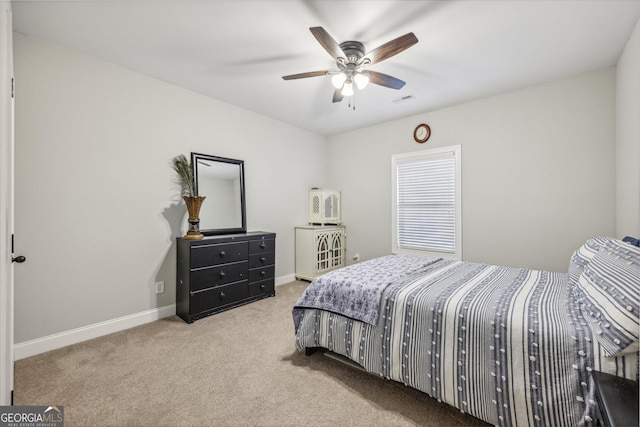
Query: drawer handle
x,y
221,274
262,286
222,295
263,273
263,259
222,253
262,245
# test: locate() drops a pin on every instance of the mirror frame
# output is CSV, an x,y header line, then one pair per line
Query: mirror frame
x,y
215,231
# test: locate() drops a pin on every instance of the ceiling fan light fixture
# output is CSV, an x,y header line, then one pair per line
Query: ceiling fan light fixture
x,y
361,79
347,90
338,80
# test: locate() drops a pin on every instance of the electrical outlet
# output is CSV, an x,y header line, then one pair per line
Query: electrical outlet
x,y
160,287
356,257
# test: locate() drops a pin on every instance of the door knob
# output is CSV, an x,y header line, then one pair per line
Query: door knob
x,y
19,259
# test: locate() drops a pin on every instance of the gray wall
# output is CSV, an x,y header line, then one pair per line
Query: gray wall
x,y
97,208
628,138
538,172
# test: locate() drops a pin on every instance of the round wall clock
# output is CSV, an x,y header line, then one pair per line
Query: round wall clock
x,y
421,133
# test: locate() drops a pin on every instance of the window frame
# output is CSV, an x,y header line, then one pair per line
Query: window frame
x,y
456,151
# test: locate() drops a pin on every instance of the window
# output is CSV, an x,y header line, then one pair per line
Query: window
x,y
426,202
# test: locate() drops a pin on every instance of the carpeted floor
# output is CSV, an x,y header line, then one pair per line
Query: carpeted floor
x,y
236,368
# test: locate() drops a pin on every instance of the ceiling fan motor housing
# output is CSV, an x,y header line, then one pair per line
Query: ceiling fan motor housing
x,y
354,51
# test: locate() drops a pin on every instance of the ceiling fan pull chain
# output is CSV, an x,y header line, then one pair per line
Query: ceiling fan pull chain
x,y
352,102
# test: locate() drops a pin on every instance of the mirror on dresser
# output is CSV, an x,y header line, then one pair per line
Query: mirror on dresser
x,y
221,181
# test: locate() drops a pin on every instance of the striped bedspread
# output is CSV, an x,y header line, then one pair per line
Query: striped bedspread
x,y
506,345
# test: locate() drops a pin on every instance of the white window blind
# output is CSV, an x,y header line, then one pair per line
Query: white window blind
x,y
426,205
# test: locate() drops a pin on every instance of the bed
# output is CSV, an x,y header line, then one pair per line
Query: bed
x,y
510,346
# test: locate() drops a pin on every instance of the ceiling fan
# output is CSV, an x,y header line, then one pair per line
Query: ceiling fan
x,y
351,61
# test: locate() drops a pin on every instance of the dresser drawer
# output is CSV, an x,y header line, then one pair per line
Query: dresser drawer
x,y
261,260
258,246
206,255
219,275
264,287
217,297
258,274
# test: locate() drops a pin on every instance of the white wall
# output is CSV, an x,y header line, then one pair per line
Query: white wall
x,y
538,172
628,138
97,208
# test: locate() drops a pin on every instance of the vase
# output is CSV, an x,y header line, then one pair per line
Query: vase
x,y
193,207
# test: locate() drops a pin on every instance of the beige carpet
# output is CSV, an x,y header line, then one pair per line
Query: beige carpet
x,y
236,368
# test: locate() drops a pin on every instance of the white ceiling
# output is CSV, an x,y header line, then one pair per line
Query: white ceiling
x,y
237,51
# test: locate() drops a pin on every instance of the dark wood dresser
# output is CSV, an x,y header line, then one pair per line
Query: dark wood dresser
x,y
222,272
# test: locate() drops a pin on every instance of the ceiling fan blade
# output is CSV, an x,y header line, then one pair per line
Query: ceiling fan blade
x,y
390,49
385,80
337,95
327,42
305,75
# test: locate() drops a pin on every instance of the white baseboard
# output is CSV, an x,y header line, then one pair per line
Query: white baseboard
x,y
285,279
62,339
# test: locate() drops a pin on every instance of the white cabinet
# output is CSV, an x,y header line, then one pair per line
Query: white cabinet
x,y
324,206
319,249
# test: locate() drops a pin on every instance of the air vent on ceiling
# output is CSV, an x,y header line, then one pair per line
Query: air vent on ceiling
x,y
403,99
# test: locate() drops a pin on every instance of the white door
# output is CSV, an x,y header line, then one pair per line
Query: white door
x,y
6,203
